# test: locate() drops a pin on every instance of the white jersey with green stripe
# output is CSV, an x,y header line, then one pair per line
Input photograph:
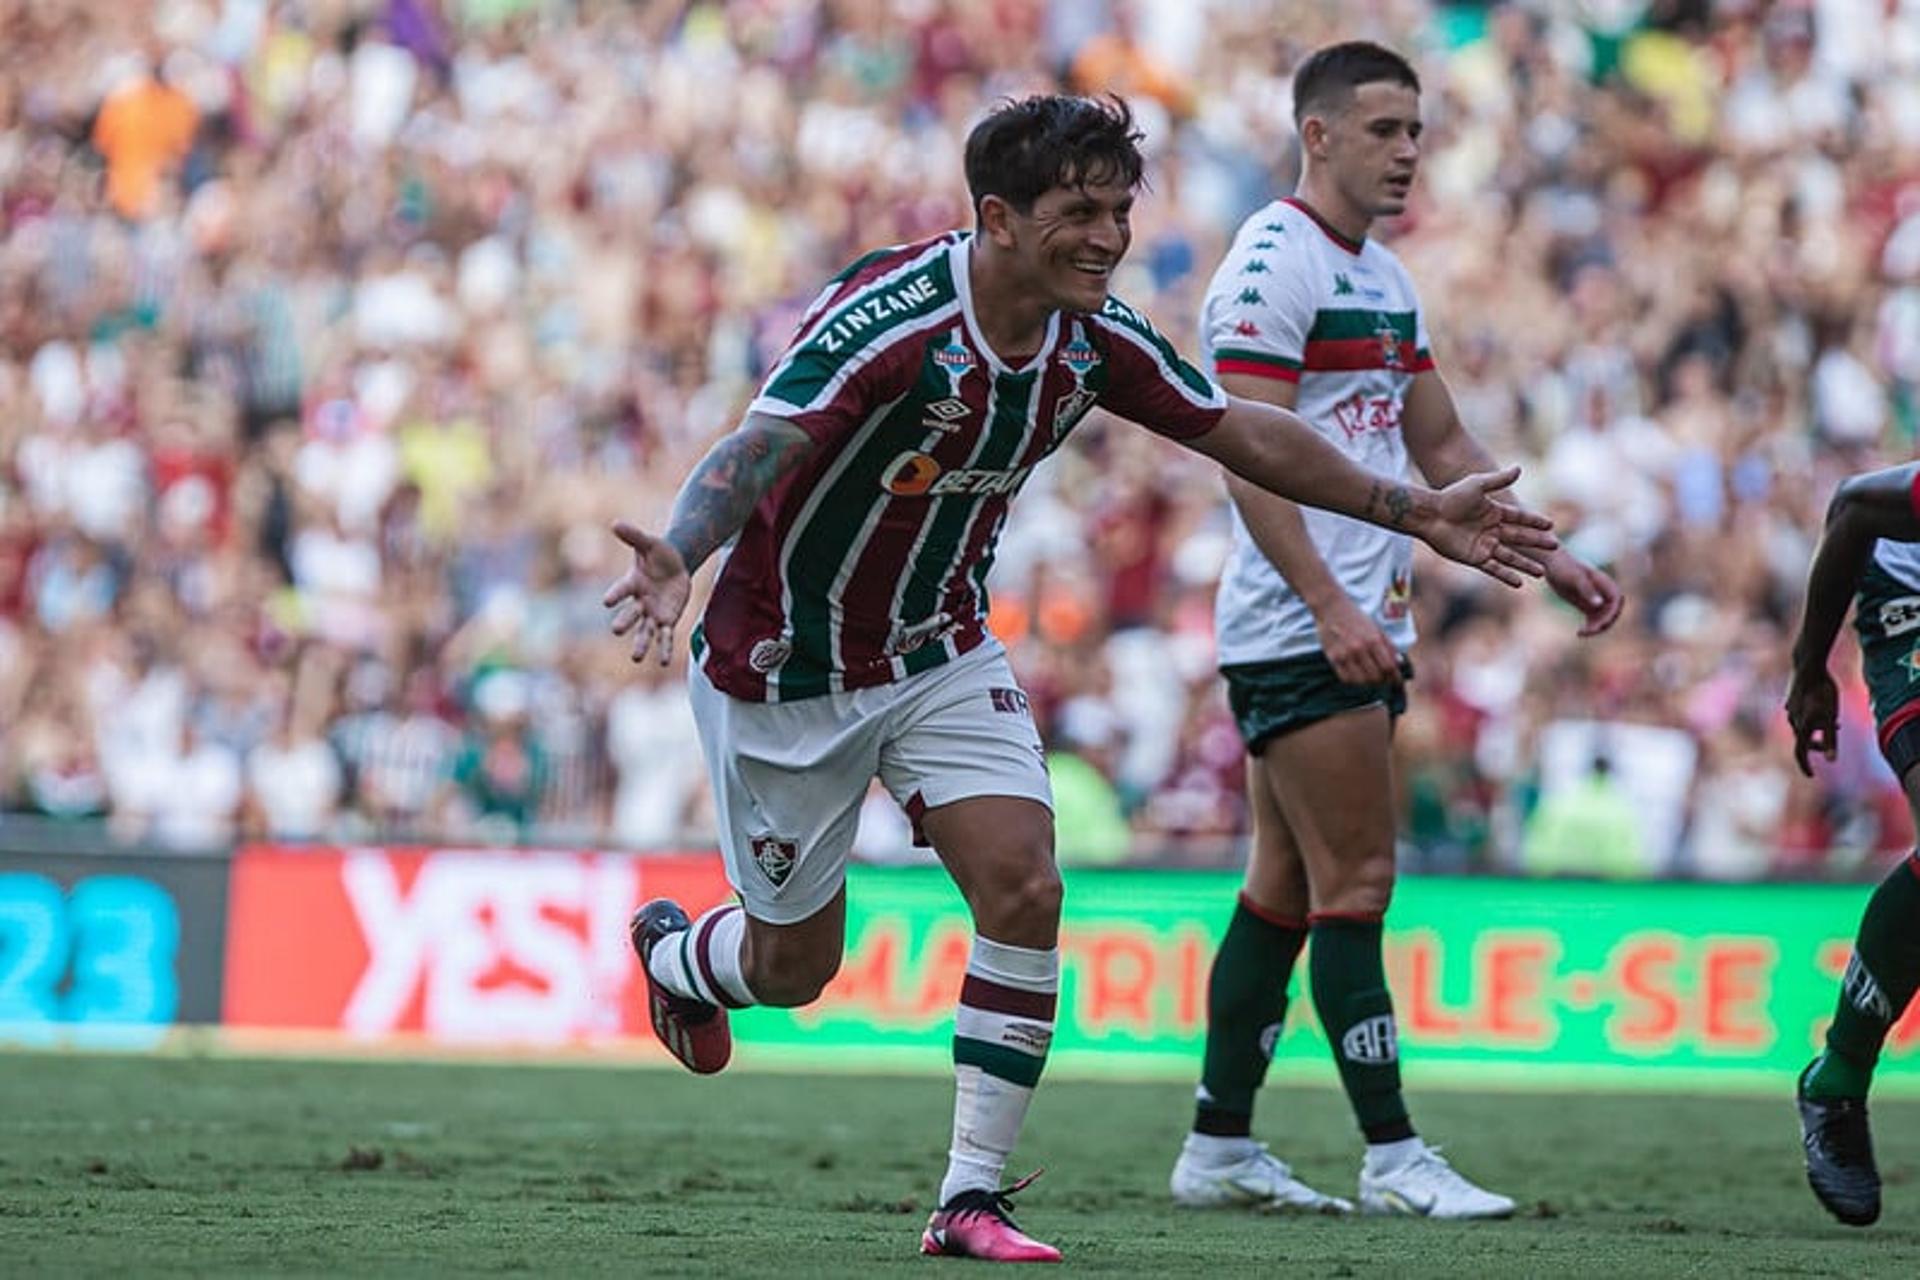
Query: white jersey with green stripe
x,y
869,563
1296,301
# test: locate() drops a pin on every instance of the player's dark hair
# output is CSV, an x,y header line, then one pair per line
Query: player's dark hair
x,y
1325,82
1024,149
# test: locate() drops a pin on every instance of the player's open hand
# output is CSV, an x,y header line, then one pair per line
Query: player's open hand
x,y
1355,645
649,598
1477,523
1813,709
1592,591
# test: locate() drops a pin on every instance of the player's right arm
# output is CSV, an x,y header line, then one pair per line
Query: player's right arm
x,y
1865,509
1354,644
713,505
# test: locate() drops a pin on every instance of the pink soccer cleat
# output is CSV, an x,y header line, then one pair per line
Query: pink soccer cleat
x,y
692,1030
975,1224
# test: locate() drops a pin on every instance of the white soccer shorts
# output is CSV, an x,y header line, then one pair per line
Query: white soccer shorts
x,y
789,777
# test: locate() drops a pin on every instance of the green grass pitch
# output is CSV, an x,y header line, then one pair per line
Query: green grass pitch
x,y
221,1166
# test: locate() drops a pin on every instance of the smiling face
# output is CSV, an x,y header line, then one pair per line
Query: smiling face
x,y
1067,245
1370,147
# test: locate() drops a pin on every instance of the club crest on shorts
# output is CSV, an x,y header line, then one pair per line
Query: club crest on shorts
x,y
774,857
1011,701
768,654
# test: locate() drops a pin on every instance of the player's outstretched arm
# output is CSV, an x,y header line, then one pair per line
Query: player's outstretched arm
x,y
1470,521
1444,450
712,506
1865,509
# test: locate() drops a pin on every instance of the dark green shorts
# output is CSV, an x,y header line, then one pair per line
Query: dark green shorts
x,y
1272,698
1887,616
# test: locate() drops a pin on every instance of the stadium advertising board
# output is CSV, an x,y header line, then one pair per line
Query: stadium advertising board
x,y
108,949
1632,983
475,948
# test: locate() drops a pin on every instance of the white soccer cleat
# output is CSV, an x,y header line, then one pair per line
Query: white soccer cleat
x,y
1258,1180
1426,1186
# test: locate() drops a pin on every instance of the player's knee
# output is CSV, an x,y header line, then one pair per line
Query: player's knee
x,y
1026,909
1364,887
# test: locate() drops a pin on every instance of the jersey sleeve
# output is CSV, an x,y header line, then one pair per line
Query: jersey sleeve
x,y
1149,382
827,384
1260,307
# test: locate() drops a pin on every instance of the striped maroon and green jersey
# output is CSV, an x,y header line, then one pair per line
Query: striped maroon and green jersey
x,y
869,563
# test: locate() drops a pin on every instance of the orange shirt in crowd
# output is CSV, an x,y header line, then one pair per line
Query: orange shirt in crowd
x,y
144,130
1113,64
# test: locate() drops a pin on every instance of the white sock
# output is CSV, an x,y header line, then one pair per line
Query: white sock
x,y
1384,1157
1000,1037
1215,1151
704,962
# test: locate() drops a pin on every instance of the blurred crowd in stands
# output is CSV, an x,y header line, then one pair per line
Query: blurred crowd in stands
x,y
334,333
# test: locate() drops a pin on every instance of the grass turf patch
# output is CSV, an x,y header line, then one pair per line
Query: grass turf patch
x,y
232,1166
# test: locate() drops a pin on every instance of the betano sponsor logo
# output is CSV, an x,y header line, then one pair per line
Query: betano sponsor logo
x,y
913,474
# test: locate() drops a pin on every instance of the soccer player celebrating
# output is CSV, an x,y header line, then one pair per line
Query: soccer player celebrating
x,y
846,636
1871,545
1314,623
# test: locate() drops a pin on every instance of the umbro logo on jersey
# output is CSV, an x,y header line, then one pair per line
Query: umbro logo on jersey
x,y
1257,267
945,415
1251,297
774,857
1265,244
1278,228
1342,287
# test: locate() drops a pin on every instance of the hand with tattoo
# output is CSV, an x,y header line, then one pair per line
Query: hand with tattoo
x,y
713,505
649,598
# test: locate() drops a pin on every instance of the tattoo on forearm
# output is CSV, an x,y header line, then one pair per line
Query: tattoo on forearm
x,y
725,487
1394,500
